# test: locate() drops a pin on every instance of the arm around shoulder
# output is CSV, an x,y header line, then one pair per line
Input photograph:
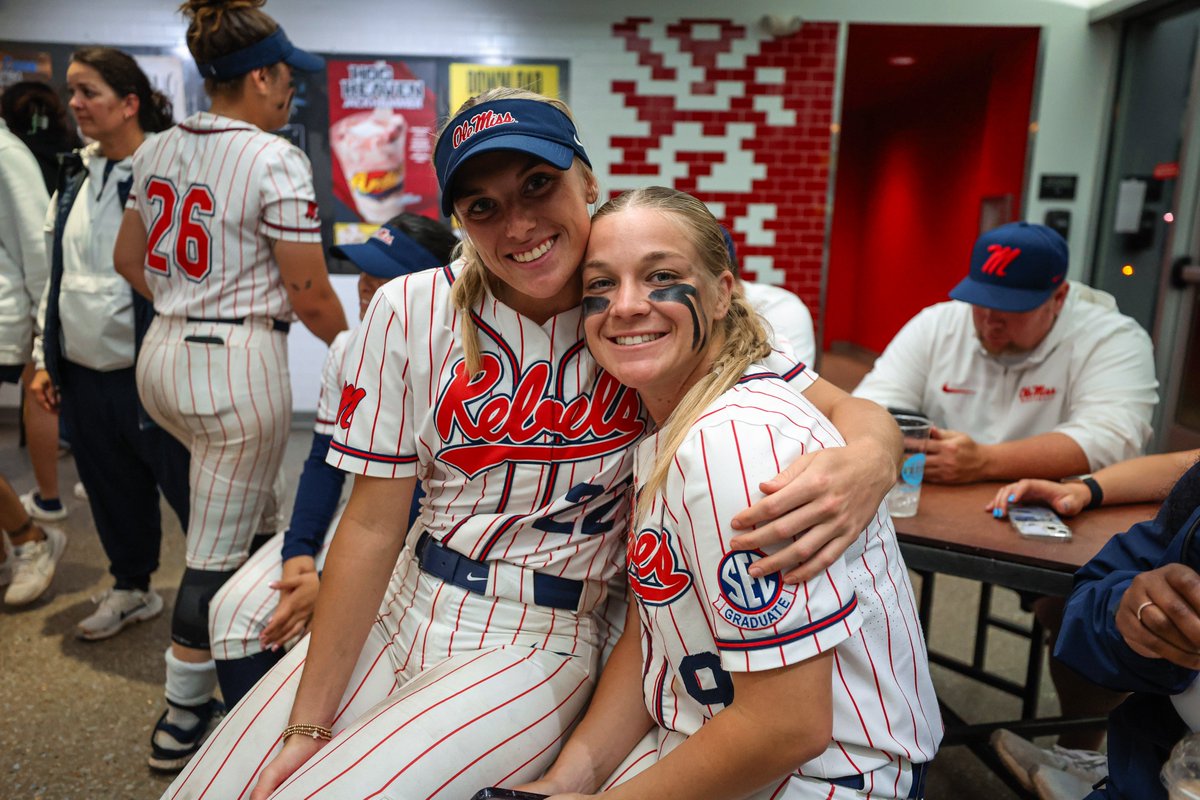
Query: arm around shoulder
x,y
827,497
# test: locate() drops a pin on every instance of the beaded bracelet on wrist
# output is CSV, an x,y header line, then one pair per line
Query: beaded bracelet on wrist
x,y
315,731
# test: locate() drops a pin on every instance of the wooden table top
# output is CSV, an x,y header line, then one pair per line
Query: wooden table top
x,y
953,518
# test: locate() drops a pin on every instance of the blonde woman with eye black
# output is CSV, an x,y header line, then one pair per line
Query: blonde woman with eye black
x,y
455,654
750,689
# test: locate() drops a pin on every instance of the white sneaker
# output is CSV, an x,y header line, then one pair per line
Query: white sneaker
x,y
33,506
117,610
1021,756
33,566
80,491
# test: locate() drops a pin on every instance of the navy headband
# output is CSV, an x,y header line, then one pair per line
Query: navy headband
x,y
263,53
525,126
389,253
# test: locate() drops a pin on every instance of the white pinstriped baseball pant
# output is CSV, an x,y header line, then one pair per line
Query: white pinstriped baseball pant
x,y
461,708
224,391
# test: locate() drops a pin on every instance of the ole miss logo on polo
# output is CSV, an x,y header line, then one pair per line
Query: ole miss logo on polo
x,y
1036,394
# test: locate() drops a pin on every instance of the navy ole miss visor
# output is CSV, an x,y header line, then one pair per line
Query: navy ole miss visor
x,y
525,126
389,253
263,53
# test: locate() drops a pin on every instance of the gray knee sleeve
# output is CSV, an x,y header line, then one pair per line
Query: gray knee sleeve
x,y
189,625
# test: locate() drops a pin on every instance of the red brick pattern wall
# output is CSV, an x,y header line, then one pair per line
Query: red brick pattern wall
x,y
741,122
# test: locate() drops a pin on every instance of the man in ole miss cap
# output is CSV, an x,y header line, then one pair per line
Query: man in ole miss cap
x,y
1024,374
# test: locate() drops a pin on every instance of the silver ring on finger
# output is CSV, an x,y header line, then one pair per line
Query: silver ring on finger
x,y
1142,608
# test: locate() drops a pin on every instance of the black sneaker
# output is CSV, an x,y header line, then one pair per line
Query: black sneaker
x,y
183,744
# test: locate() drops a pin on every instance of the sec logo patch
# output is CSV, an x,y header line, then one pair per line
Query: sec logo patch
x,y
749,602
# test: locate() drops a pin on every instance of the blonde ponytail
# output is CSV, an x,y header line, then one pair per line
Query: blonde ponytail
x,y
467,294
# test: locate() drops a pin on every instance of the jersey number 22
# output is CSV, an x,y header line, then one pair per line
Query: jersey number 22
x,y
184,219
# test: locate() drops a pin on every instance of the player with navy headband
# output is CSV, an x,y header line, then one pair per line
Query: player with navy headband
x,y
463,665
222,232
750,689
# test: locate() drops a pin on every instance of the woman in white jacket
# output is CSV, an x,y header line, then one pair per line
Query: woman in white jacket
x,y
87,350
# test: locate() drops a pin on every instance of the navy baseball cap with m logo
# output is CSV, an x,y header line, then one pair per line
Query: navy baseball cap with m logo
x,y
1015,267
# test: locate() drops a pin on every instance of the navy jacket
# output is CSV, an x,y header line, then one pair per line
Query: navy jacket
x,y
1142,730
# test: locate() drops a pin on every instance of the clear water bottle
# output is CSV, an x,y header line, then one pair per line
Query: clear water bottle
x,y
1181,773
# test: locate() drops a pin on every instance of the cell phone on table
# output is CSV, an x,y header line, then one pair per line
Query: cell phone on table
x,y
496,793
1037,522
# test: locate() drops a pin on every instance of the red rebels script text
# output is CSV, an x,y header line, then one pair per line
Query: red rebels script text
x,y
654,573
513,427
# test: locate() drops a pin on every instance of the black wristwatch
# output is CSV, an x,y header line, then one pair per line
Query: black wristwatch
x,y
1094,488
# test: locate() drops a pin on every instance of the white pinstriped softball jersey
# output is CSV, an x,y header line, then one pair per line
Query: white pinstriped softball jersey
x,y
526,467
213,193
703,616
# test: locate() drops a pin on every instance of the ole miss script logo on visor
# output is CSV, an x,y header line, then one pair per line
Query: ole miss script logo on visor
x,y
480,123
530,424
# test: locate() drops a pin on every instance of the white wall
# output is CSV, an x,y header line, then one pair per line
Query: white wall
x,y
1071,109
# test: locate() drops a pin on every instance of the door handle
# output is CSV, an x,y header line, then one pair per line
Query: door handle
x,y
1185,273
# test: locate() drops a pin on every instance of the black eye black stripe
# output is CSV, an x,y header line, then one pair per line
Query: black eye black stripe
x,y
689,296
594,305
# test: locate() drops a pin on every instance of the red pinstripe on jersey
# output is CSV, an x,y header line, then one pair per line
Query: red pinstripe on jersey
x,y
262,186
879,713
517,509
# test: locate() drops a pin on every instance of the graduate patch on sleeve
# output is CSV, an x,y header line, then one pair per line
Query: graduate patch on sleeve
x,y
747,602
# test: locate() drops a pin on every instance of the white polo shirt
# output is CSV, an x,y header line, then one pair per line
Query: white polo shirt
x,y
1091,378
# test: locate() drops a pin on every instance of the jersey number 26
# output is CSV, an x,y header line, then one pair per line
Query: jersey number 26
x,y
183,219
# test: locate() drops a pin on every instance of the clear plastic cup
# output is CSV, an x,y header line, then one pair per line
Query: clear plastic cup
x,y
1181,773
905,496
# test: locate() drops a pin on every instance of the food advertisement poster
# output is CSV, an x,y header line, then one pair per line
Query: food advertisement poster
x,y
382,122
